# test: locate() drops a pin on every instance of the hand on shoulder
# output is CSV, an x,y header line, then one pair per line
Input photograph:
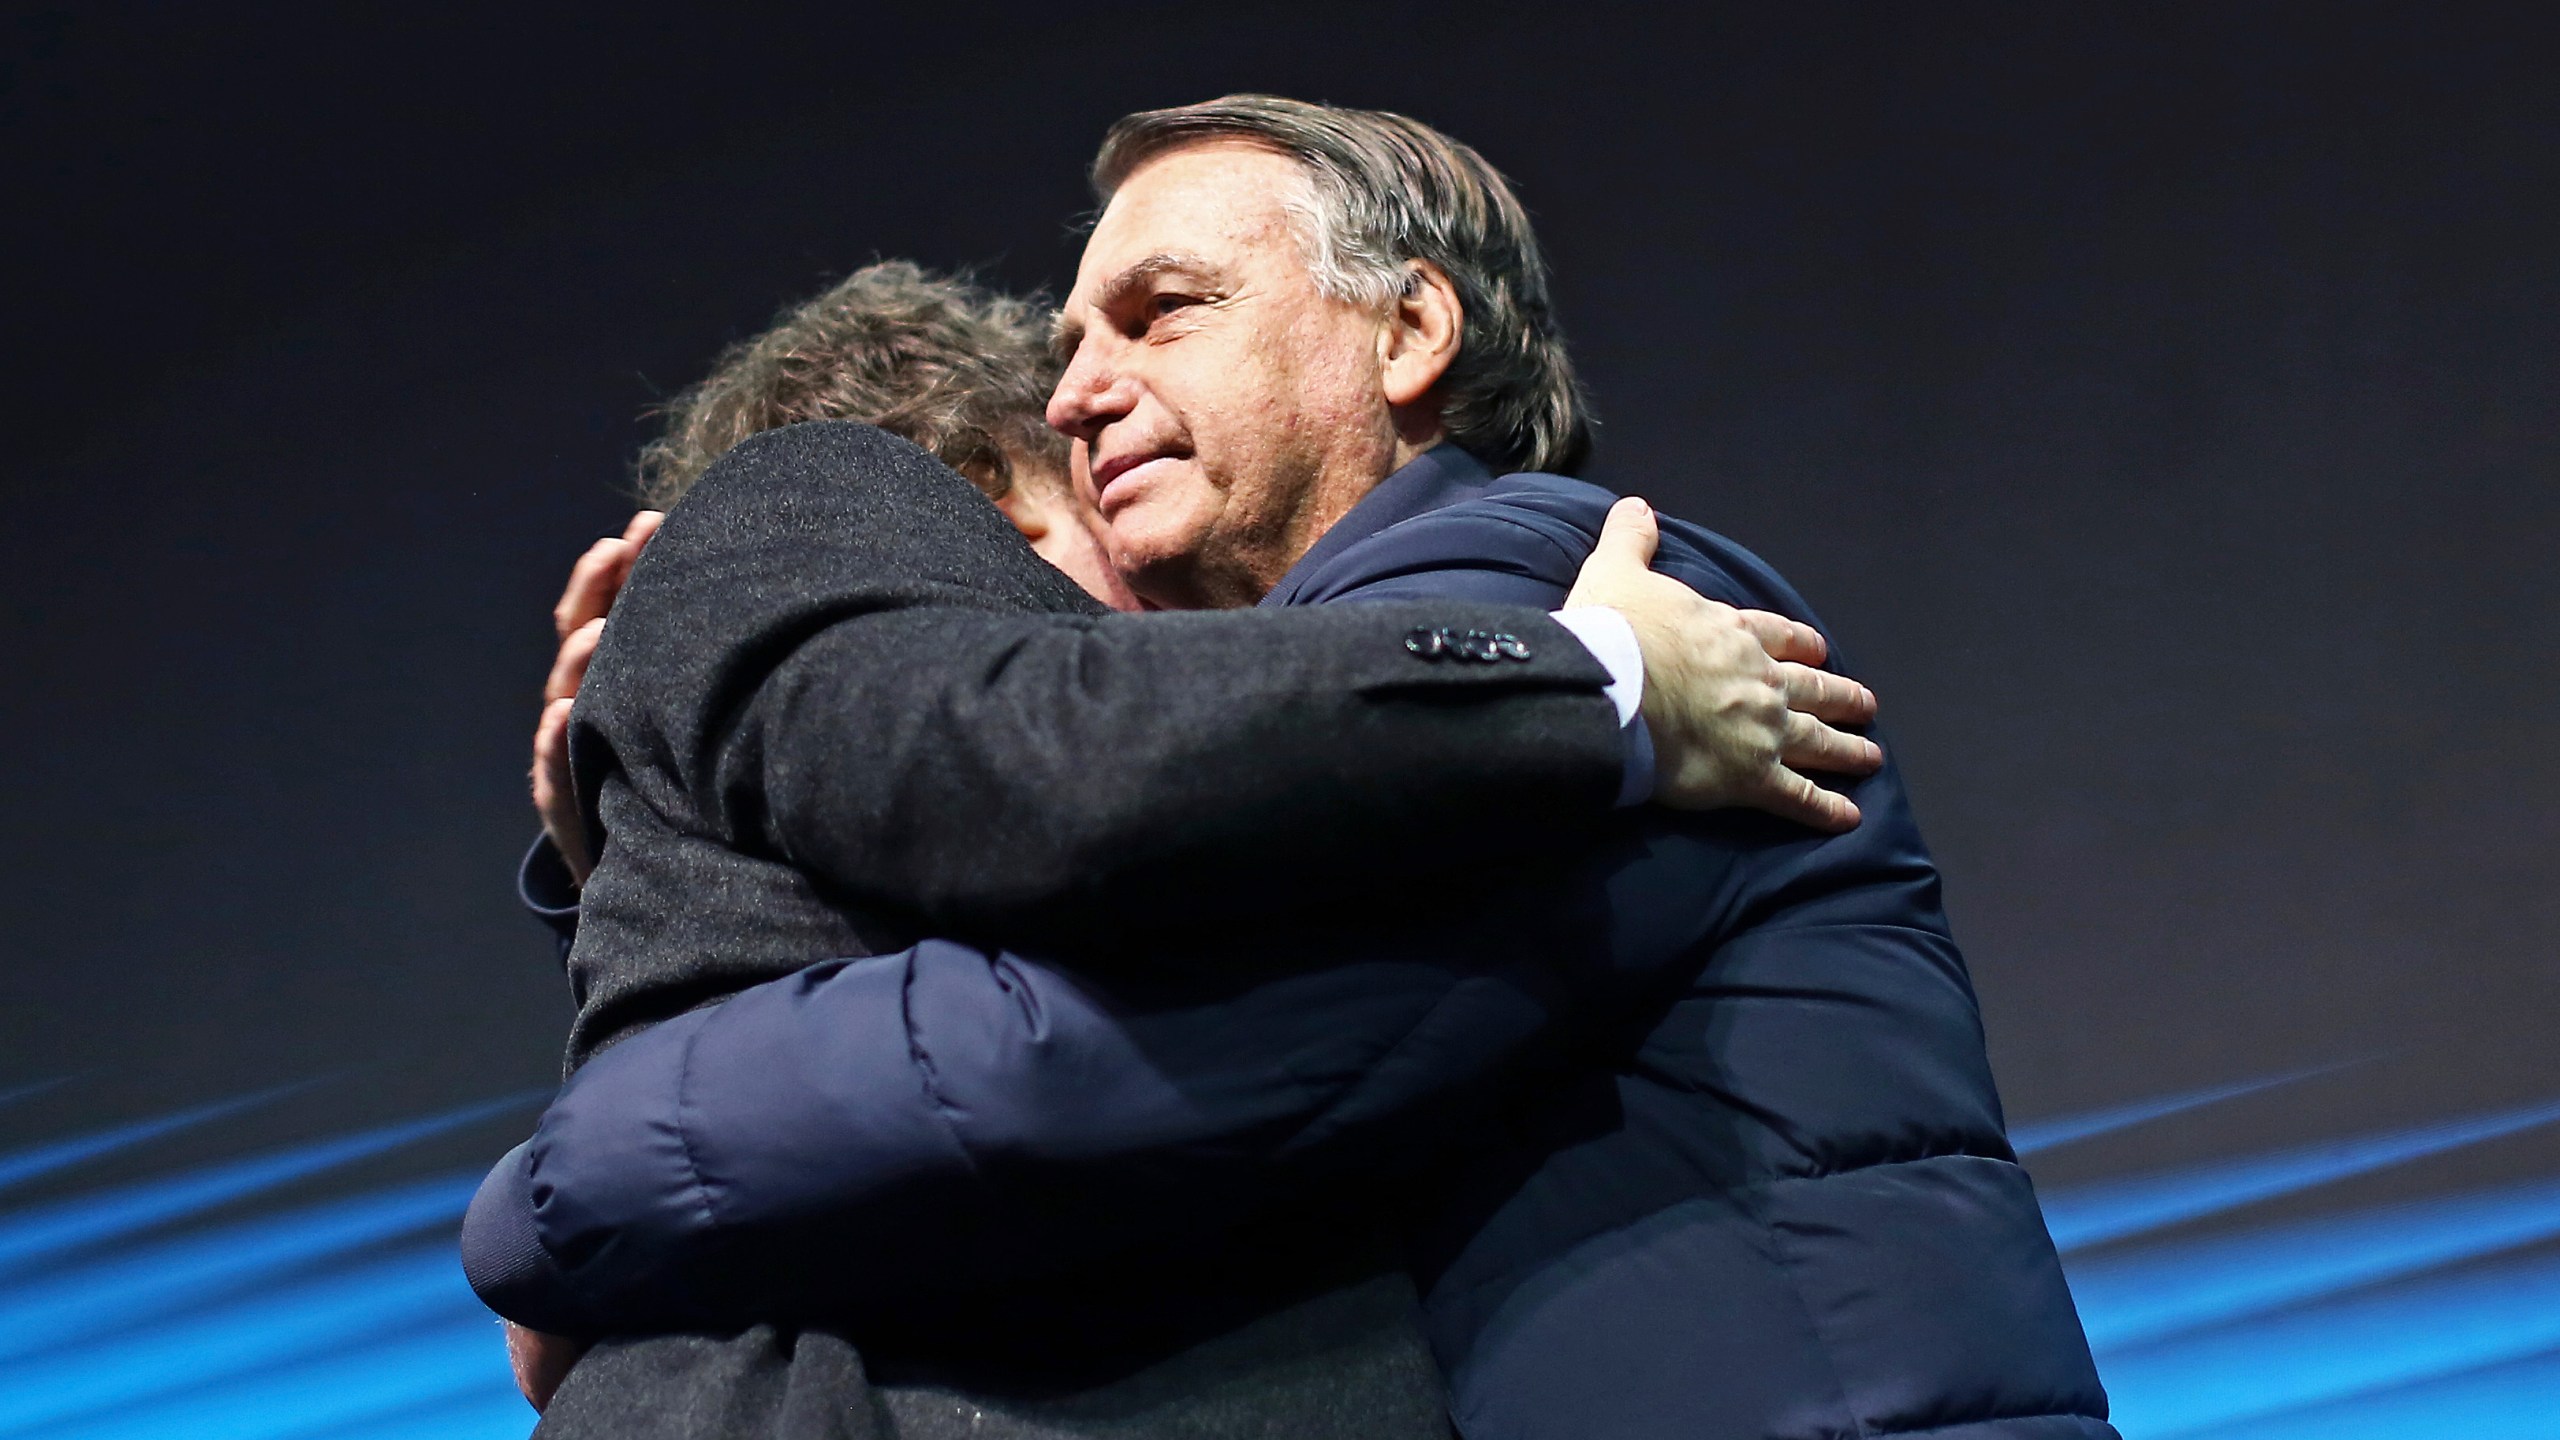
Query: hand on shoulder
x,y
1737,709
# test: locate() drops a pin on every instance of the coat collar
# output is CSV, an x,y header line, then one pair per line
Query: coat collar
x,y
1440,476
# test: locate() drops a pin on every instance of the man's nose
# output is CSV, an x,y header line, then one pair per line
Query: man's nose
x,y
1092,394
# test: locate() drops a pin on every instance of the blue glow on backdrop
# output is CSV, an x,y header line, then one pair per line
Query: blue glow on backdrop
x,y
28,1164
11,1095
119,1318
2049,1134
125,1312
2090,1215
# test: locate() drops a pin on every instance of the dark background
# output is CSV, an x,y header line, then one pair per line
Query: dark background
x,y
2159,401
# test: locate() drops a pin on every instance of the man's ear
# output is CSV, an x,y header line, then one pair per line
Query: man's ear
x,y
1029,512
1420,340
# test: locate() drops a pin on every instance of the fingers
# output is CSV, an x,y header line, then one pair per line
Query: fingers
x,y
1811,745
523,1361
578,620
540,1362
593,582
551,784
1826,696
555,796
1793,797
599,574
569,667
1785,639
551,750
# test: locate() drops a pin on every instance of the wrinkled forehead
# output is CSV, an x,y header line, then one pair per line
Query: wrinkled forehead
x,y
1222,203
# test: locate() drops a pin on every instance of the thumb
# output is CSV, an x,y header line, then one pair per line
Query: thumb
x,y
1629,535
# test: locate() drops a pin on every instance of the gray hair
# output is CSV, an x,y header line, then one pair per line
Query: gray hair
x,y
1384,190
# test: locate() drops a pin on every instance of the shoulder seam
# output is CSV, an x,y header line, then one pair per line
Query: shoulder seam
x,y
1493,512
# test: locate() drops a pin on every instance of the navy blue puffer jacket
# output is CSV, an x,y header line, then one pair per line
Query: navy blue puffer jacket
x,y
1792,1211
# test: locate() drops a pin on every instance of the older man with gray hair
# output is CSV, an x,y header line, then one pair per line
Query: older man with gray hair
x,y
1305,341
1761,1188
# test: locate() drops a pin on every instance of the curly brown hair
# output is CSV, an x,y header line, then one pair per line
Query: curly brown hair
x,y
959,368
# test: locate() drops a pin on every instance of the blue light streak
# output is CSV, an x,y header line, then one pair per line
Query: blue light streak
x,y
44,1232
452,1370
2091,1214
2501,1402
302,1320
24,1165
150,1283
2131,1297
2359,1344
15,1093
2051,1134
490,1412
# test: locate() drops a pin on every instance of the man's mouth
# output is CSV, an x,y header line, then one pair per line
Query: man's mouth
x,y
1122,474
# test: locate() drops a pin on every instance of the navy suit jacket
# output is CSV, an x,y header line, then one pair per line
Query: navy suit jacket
x,y
1728,1159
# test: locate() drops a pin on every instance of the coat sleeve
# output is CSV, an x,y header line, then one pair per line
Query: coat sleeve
x,y
912,1128
835,654
1045,784
549,893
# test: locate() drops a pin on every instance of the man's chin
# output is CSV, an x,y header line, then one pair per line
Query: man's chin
x,y
1161,580
1159,586
1157,559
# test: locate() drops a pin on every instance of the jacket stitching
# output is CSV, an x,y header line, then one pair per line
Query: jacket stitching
x,y
1354,1084
684,1132
1751,1191
1755,1198
1505,517
926,1077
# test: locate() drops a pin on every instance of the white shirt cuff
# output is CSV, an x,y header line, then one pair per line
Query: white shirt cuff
x,y
1612,641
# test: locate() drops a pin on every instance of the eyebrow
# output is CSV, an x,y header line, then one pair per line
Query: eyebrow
x,y
1066,332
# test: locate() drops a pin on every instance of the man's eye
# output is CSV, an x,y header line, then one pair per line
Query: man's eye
x,y
1163,305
